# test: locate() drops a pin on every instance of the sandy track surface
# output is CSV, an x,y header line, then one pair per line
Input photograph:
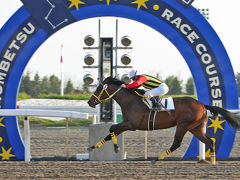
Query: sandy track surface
x,y
49,151
119,170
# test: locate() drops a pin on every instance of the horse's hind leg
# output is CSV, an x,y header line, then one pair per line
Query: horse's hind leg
x,y
179,134
201,135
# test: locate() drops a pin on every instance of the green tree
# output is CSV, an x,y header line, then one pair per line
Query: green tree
x,y
190,86
69,88
36,88
174,85
55,84
45,86
26,84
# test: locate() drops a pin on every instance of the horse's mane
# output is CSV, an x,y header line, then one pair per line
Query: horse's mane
x,y
111,80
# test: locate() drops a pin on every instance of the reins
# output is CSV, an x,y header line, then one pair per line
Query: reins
x,y
104,89
140,94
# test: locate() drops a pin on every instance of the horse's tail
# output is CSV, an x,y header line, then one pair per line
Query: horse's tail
x,y
231,118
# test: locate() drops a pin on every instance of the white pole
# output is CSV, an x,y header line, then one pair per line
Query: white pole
x,y
98,114
27,157
99,71
94,120
116,56
202,150
116,51
62,75
114,112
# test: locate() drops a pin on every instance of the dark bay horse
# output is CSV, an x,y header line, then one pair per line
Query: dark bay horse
x,y
189,115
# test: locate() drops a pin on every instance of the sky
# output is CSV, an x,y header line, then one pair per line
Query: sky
x,y
152,53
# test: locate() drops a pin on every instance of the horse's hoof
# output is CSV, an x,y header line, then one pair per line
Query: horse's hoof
x,y
116,148
90,149
204,162
154,160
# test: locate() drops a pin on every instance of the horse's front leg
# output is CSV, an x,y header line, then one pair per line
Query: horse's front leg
x,y
117,129
100,143
114,130
110,136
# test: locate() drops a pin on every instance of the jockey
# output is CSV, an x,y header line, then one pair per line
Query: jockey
x,y
157,87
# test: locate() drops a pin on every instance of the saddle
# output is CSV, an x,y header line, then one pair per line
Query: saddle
x,y
167,103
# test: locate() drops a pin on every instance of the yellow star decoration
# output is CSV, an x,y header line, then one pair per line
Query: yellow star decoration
x,y
207,154
1,121
216,124
140,3
6,154
76,3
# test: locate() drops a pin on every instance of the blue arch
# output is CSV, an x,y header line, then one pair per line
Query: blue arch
x,y
152,18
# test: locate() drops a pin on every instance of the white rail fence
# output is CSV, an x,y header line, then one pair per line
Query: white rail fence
x,y
41,113
68,114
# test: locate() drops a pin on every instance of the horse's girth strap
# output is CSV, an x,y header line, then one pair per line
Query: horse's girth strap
x,y
151,120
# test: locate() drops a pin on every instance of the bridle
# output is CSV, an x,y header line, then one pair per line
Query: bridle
x,y
104,89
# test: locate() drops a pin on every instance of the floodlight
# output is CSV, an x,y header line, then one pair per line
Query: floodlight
x,y
88,79
89,40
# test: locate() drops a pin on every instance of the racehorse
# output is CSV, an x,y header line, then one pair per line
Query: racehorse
x,y
188,115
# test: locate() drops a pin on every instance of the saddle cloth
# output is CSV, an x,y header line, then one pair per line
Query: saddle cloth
x,y
166,102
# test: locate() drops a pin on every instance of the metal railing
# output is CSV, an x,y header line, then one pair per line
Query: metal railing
x,y
42,113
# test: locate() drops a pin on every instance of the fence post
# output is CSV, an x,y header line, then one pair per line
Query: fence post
x,y
67,139
27,157
146,148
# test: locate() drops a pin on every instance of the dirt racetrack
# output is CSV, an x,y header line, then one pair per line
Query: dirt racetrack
x,y
49,151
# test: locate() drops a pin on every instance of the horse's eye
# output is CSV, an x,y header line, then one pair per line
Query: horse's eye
x,y
96,101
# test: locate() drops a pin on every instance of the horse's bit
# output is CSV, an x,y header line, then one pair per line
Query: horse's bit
x,y
104,89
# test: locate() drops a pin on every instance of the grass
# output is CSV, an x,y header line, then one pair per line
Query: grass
x,y
50,123
22,96
67,96
85,96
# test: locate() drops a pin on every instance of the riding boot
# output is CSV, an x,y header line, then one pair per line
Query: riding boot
x,y
156,105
